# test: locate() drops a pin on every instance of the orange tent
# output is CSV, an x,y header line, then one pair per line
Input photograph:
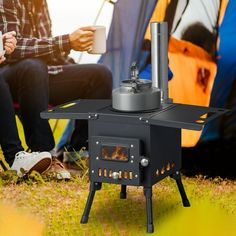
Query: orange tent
x,y
193,69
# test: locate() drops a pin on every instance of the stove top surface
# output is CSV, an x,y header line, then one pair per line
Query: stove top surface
x,y
170,115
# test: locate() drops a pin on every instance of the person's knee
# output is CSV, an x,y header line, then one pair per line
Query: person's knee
x,y
33,72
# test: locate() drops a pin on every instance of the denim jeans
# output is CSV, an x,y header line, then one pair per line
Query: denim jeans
x,y
28,83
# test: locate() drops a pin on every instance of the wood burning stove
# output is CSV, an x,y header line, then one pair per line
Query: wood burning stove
x,y
135,139
134,149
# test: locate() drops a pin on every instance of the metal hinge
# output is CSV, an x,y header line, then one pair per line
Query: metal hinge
x,y
144,120
93,116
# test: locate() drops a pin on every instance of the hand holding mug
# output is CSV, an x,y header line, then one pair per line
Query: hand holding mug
x,y
7,44
82,38
9,41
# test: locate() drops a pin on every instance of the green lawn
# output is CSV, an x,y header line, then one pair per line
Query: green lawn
x,y
58,206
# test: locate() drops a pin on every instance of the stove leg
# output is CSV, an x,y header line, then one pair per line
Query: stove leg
x,y
123,192
183,194
148,196
94,186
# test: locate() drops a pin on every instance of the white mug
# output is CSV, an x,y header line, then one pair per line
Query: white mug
x,y
99,40
2,52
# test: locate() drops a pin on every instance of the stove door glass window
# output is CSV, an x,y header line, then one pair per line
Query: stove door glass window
x,y
114,153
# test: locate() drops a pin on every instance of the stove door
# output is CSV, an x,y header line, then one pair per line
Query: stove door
x,y
115,160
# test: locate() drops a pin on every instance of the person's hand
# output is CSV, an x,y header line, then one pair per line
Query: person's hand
x,y
2,59
82,38
9,41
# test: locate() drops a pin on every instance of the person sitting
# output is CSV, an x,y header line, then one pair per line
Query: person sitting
x,y
9,139
39,72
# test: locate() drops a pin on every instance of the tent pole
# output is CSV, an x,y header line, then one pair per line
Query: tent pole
x,y
94,23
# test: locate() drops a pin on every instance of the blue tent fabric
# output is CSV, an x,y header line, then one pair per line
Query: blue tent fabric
x,y
124,43
147,73
226,69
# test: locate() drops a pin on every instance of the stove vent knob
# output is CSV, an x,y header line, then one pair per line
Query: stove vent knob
x,y
115,175
144,161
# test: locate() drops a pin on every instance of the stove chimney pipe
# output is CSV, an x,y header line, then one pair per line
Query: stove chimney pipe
x,y
159,39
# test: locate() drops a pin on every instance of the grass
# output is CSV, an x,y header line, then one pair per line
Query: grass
x,y
36,206
58,206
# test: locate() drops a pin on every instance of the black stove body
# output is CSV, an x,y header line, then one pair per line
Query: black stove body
x,y
136,149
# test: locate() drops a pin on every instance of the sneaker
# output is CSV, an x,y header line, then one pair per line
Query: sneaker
x,y
26,162
57,170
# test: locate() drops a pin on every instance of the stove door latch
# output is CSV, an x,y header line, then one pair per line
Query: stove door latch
x,y
144,161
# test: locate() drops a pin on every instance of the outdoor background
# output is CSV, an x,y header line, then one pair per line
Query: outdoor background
x,y
55,208
68,15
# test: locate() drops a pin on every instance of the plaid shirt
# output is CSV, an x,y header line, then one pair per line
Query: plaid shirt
x,y
33,30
